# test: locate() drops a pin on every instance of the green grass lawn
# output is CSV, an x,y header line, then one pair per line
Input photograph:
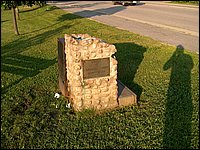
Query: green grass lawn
x,y
165,79
195,3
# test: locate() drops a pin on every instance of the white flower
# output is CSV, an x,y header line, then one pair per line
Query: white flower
x,y
56,105
57,95
68,105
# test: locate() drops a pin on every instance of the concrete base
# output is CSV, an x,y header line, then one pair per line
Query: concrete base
x,y
125,96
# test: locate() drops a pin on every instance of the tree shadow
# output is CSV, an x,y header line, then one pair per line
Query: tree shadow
x,y
33,16
24,66
23,43
130,4
60,19
57,2
72,4
68,17
90,5
129,57
51,8
29,9
100,12
178,111
140,4
87,13
44,28
2,21
15,63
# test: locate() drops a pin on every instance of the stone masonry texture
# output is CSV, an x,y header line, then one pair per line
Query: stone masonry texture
x,y
99,92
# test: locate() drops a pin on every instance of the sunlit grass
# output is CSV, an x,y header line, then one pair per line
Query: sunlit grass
x,y
32,118
195,3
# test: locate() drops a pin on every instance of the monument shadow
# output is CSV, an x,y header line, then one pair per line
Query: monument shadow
x,y
129,57
178,109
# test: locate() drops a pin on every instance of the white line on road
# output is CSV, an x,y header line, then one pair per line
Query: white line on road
x,y
154,24
185,31
161,25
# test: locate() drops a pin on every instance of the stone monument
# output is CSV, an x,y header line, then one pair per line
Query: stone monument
x,y
88,73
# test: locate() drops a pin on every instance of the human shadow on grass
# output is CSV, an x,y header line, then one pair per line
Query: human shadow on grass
x,y
178,109
129,57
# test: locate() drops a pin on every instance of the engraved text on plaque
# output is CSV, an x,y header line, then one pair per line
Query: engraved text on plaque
x,y
96,68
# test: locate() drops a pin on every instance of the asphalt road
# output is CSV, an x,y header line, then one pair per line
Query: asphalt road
x,y
170,24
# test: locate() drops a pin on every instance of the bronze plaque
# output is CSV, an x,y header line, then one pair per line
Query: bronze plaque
x,y
96,68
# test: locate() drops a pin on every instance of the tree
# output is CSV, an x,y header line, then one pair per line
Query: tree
x,y
15,21
17,12
13,5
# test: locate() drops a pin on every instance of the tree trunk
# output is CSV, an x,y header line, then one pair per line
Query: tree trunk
x,y
15,21
17,13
